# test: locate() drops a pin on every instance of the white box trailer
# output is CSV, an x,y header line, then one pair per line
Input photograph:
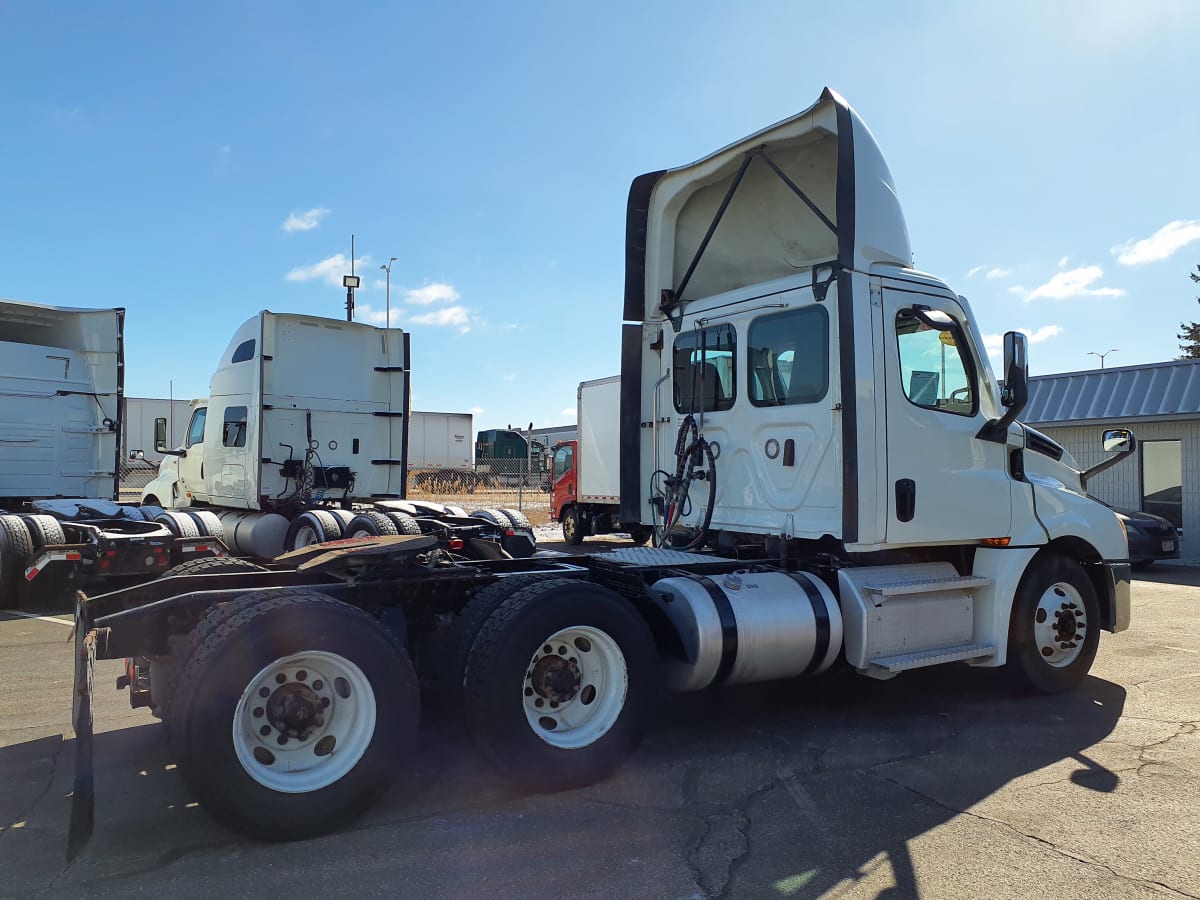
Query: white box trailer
x,y
597,457
142,419
438,440
61,376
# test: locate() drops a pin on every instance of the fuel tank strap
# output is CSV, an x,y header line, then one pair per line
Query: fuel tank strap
x,y
729,630
821,614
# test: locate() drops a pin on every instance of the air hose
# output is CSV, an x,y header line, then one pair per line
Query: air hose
x,y
692,451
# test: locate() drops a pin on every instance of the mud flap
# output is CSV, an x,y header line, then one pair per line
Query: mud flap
x,y
83,797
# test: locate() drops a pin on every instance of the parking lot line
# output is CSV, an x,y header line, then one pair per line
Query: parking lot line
x,y
40,618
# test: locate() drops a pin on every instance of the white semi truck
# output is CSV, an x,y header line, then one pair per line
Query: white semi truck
x,y
831,469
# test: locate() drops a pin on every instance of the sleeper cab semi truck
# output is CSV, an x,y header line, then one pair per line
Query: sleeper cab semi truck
x,y
831,470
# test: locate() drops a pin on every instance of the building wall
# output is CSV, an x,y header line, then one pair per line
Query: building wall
x,y
1122,484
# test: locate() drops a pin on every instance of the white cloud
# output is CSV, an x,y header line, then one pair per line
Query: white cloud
x,y
975,270
994,343
330,270
379,283
447,317
1019,290
1171,237
305,221
1074,283
996,273
365,312
476,410
569,411
438,292
1062,263
511,376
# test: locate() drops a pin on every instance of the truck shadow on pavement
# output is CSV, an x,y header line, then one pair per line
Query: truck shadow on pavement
x,y
786,789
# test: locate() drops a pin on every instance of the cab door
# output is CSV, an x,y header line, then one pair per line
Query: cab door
x,y
191,464
562,489
944,484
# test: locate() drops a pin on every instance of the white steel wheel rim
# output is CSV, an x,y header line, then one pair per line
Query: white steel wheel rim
x,y
306,536
362,532
574,688
322,707
1060,625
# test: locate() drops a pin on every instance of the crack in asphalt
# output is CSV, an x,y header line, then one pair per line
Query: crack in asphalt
x,y
25,814
1033,837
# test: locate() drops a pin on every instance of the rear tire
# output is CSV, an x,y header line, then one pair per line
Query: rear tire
x,y
1055,627
45,531
314,526
517,518
493,516
567,716
207,523
639,534
405,524
16,550
179,524
370,524
334,679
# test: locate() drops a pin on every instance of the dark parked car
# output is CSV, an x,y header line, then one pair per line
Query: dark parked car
x,y
1151,537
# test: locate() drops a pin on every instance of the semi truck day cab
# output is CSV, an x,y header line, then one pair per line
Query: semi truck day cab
x,y
810,426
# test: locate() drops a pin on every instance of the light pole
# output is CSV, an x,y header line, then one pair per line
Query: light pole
x,y
1102,355
387,322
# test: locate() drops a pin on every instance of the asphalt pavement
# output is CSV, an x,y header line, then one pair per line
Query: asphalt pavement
x,y
939,783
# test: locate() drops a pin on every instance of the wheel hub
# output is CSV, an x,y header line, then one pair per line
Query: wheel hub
x,y
556,678
295,710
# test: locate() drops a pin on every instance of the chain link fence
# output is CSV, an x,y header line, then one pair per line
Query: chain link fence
x,y
491,484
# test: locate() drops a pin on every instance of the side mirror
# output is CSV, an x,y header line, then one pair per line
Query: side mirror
x,y
1118,440
1015,392
160,435
1122,441
1016,370
136,454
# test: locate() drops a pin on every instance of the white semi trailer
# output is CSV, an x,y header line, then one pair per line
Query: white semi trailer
x,y
832,471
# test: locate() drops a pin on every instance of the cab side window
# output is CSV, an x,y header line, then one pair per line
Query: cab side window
x,y
787,360
936,371
195,433
703,370
233,430
562,462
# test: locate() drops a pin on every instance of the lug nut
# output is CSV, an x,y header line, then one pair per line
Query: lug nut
x,y
301,675
280,678
265,730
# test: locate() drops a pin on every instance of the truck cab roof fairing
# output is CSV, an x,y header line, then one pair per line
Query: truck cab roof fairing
x,y
813,188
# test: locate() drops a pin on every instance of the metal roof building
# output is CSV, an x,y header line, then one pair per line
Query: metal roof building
x,y
1160,402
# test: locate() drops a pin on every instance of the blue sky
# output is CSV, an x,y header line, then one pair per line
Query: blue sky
x,y
198,162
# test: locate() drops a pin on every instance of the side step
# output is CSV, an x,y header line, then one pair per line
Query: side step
x,y
893,665
927,585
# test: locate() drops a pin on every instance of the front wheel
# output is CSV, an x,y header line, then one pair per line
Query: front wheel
x,y
574,526
290,718
1055,627
560,684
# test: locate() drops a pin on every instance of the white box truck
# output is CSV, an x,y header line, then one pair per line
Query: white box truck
x,y
832,472
585,482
